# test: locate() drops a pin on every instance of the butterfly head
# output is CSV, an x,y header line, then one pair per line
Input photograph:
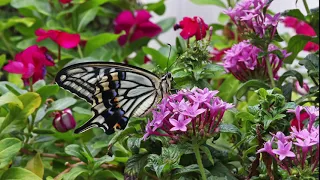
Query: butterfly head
x,y
166,82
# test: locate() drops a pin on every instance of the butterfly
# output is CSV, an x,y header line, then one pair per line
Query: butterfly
x,y
115,91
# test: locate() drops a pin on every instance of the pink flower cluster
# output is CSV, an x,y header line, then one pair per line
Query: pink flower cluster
x,y
242,60
304,139
187,113
303,28
248,15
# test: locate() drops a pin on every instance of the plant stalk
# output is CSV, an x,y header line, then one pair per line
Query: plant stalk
x,y
80,51
306,6
270,72
196,150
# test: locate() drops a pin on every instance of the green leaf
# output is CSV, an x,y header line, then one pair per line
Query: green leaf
x,y
40,5
31,102
19,173
122,134
292,73
2,60
295,45
99,40
311,63
46,91
228,88
9,97
77,151
102,160
167,24
218,3
108,174
157,7
245,116
220,170
229,128
135,163
256,84
296,13
157,57
133,144
75,172
208,153
9,148
27,21
4,2
223,18
62,104
35,165
86,18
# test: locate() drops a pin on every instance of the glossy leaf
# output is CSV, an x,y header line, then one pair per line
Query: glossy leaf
x,y
86,18
9,148
255,84
75,172
61,104
292,73
76,151
167,24
9,97
295,45
98,41
157,57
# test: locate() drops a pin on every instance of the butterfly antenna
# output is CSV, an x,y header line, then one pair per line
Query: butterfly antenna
x,y
168,57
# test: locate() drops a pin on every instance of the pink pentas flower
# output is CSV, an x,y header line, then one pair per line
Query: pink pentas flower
x,y
305,143
136,25
63,39
267,147
180,124
179,115
284,150
192,27
242,61
64,120
30,63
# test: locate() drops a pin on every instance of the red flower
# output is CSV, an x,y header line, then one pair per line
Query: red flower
x,y
31,63
146,59
136,25
218,54
63,39
304,29
65,1
64,121
192,27
294,122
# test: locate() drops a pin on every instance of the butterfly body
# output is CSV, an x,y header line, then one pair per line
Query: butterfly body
x,y
115,91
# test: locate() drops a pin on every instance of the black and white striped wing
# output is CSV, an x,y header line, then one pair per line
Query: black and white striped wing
x,y
115,91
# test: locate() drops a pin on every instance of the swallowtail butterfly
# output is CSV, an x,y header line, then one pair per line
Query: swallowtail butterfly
x,y
115,91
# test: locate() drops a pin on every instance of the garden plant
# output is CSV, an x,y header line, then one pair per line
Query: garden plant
x,y
243,102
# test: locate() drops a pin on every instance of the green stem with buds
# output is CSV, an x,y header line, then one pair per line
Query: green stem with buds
x,y
196,150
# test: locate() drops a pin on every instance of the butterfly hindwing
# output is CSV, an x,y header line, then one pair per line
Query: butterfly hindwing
x,y
116,92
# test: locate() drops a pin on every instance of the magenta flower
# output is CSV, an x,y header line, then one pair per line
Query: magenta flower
x,y
63,39
301,90
30,63
305,143
284,150
192,27
64,121
273,21
180,124
267,147
188,113
312,111
242,61
136,25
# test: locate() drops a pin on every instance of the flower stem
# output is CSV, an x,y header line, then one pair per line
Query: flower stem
x,y
59,53
80,51
306,6
270,72
159,42
198,157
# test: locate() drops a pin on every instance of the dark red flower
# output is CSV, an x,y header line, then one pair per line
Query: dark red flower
x,y
294,122
146,59
302,28
65,1
218,54
63,39
31,63
192,27
136,25
64,121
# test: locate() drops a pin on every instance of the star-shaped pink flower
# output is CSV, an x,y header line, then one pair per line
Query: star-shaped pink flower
x,y
180,124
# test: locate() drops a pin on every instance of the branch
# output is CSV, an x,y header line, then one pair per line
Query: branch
x,y
70,166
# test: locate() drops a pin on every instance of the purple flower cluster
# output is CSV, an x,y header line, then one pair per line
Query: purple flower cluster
x,y
242,60
305,141
249,17
187,113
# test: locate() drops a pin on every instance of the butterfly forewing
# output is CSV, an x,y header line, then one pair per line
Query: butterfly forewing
x,y
116,92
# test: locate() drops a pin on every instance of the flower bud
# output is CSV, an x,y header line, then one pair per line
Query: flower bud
x,y
64,121
301,90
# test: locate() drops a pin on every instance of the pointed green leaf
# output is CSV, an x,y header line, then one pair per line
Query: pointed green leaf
x,y
9,97
18,173
98,41
35,165
62,104
167,24
86,18
75,172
